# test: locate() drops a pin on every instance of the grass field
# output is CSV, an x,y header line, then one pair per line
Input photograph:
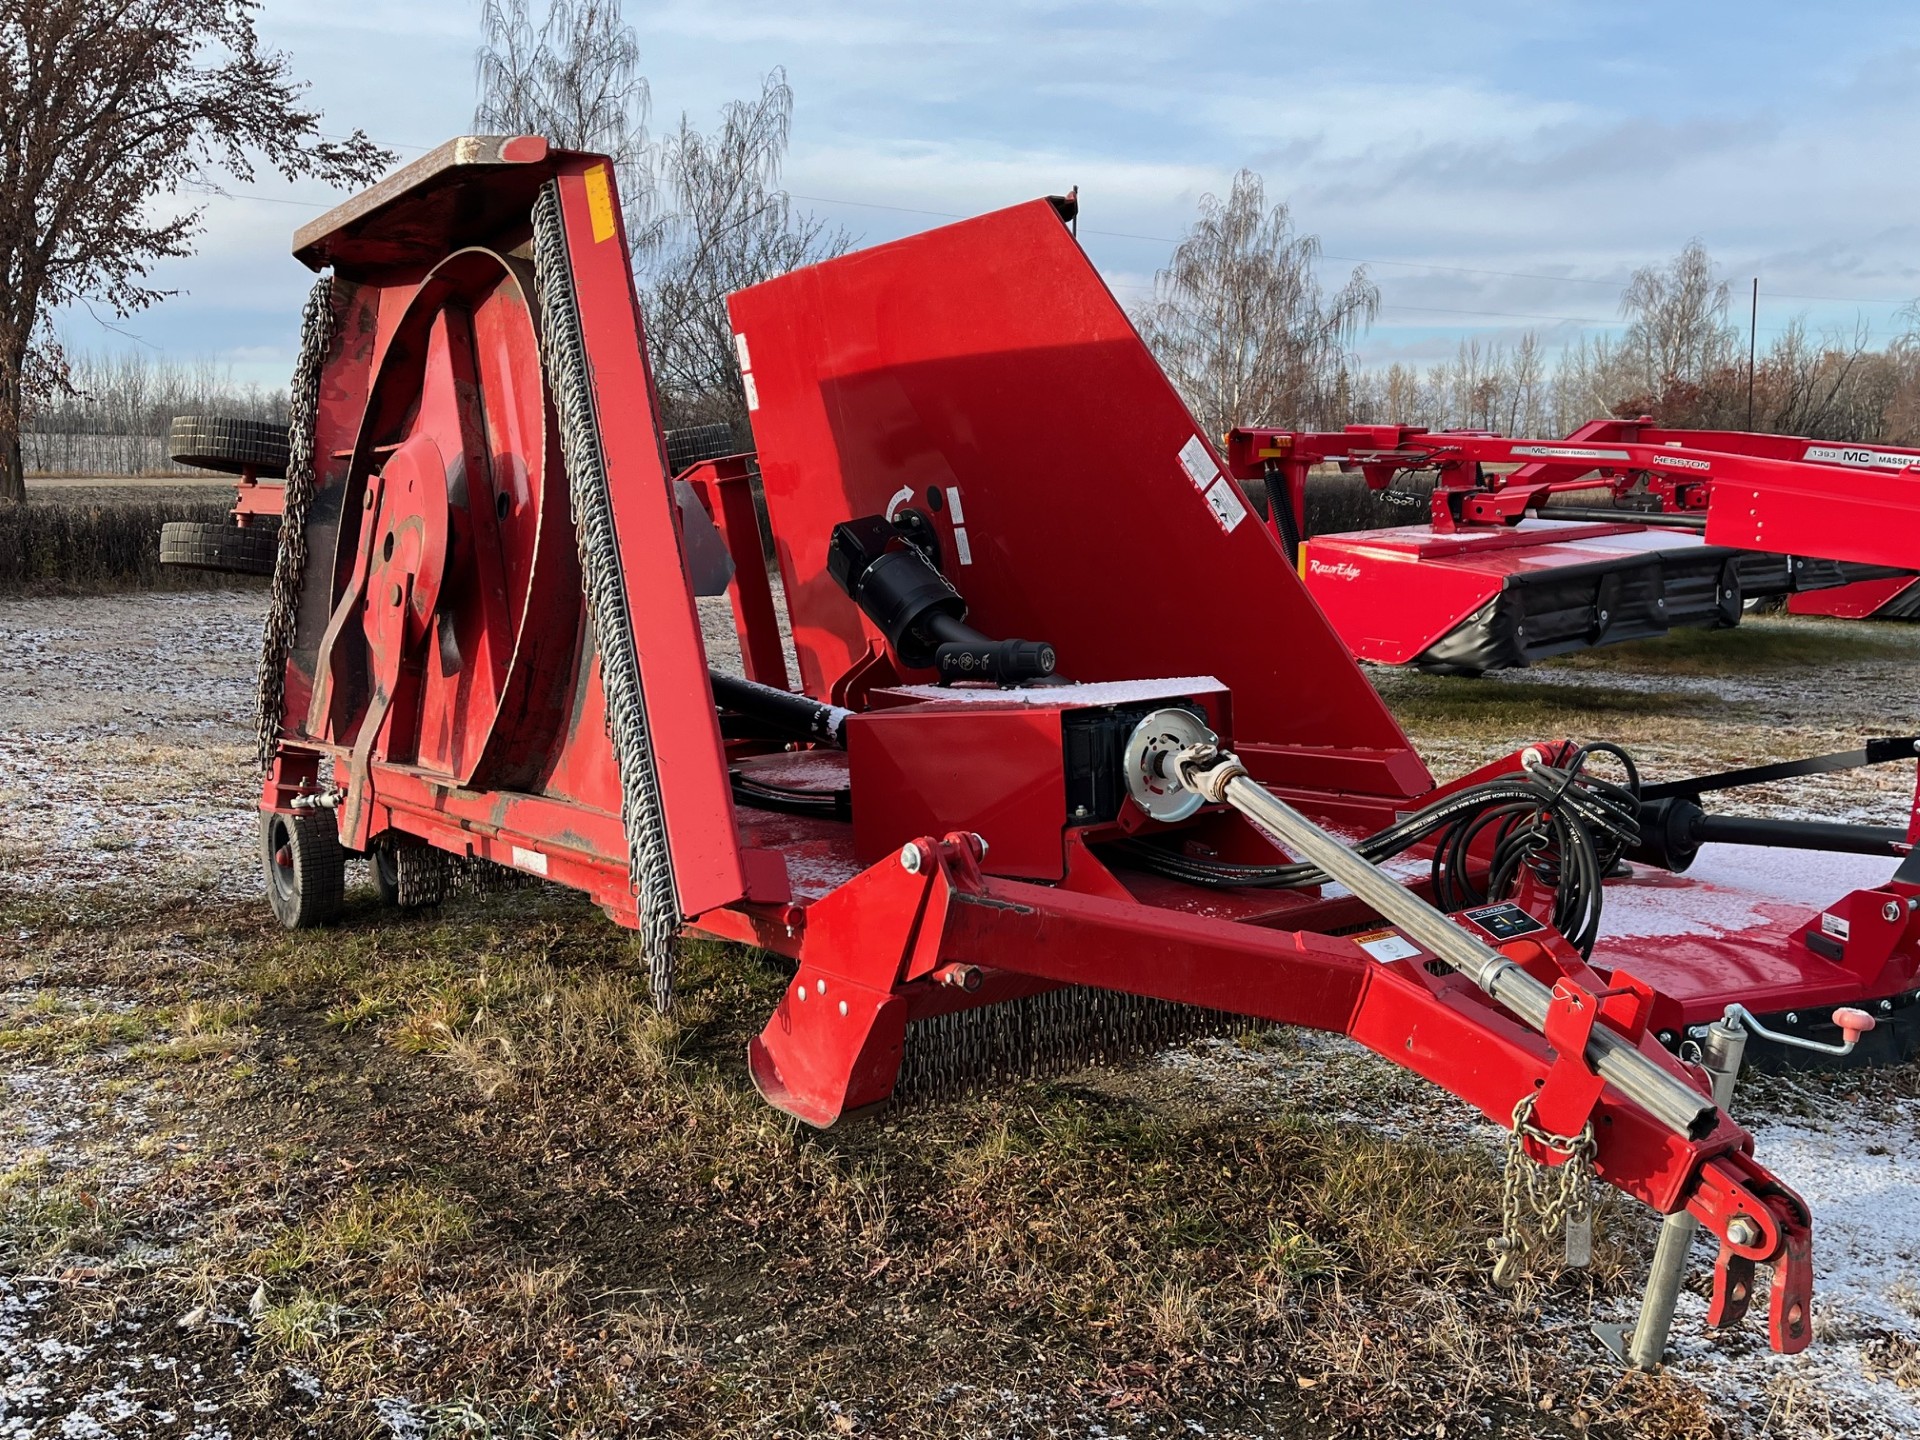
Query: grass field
x,y
446,1172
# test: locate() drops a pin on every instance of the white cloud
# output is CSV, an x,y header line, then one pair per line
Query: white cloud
x,y
1571,138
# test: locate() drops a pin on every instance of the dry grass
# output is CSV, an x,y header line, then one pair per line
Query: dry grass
x,y
51,1027
68,546
1757,645
1447,706
462,1158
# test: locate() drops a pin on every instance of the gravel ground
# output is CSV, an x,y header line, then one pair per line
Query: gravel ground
x,y
125,762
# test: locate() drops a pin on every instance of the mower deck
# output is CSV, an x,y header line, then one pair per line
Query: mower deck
x,y
1485,598
1733,930
1895,598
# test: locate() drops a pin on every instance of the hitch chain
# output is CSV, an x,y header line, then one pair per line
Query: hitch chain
x,y
1539,1201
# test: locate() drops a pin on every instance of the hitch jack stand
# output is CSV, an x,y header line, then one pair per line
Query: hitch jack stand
x,y
1723,1047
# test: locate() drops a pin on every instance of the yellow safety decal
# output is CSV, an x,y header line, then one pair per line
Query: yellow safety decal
x,y
1303,562
600,203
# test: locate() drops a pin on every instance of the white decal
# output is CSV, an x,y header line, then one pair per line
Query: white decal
x,y
899,498
753,391
1861,457
1835,926
960,545
1680,462
1198,464
1228,508
953,505
1570,452
530,860
740,349
1387,946
1341,570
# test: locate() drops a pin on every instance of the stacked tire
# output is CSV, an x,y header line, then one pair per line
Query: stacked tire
x,y
689,445
232,447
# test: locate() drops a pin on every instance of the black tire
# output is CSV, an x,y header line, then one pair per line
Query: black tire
x,y
691,444
210,442
386,874
306,867
235,549
409,875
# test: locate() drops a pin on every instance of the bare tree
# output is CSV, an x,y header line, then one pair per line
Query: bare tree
x,y
112,417
725,225
1240,322
575,78
106,112
1677,331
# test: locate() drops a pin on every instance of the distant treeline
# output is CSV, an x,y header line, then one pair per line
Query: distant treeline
x,y
115,420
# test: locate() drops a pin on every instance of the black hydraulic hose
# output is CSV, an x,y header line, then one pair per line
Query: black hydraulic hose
x,y
798,716
1280,499
1565,824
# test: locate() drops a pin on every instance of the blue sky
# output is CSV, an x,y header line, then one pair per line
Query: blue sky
x,y
1499,166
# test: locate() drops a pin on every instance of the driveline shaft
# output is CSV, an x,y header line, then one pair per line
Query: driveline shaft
x,y
1221,778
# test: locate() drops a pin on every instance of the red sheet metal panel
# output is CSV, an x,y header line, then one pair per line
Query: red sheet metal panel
x,y
666,626
1898,598
982,374
1729,931
1868,517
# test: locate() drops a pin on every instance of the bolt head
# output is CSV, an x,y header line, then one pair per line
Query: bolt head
x,y
1793,1017
1741,1230
1890,912
911,858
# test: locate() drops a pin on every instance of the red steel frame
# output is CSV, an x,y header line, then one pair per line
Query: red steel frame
x,y
442,689
1782,493
1397,594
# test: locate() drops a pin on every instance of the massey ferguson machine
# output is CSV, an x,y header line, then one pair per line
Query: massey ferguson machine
x,y
1054,782
1621,531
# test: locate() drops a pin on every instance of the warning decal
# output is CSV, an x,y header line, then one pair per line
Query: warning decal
x,y
1387,945
1222,495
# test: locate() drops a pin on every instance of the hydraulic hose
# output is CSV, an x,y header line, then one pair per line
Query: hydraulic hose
x,y
1221,778
800,716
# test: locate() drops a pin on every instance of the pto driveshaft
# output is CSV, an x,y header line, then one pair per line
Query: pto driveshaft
x,y
1188,757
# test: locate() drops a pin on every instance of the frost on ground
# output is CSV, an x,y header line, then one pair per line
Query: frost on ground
x,y
126,762
125,743
1861,1376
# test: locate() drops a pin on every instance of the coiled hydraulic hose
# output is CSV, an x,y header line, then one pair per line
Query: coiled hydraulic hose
x,y
1556,818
